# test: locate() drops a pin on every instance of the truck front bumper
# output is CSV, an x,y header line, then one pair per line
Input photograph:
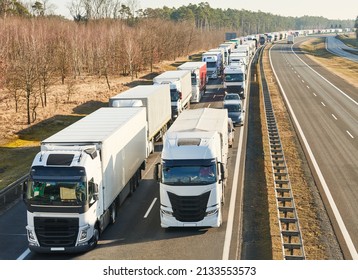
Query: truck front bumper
x,y
212,220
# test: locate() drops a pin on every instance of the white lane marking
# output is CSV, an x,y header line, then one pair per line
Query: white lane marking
x,y
150,208
323,104
230,219
334,117
350,134
308,87
303,81
314,94
346,95
299,76
232,206
24,254
348,240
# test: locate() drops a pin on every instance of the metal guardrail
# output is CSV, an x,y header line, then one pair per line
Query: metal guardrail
x,y
11,193
291,237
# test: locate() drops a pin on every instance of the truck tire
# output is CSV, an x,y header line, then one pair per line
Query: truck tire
x,y
223,196
95,237
113,212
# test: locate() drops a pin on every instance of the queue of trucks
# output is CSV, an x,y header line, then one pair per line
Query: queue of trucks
x,y
84,172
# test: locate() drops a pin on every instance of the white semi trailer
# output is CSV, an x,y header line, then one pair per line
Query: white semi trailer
x,y
81,176
156,100
198,78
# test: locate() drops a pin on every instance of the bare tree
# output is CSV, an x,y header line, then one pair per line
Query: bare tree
x,y
131,50
22,71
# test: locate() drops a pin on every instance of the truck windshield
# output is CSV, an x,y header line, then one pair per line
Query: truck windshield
x,y
174,95
211,64
234,77
194,172
56,192
193,80
57,186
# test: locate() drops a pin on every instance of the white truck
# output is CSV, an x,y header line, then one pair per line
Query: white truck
x,y
235,79
156,100
81,176
252,47
214,64
180,89
222,51
227,51
290,39
193,169
198,78
244,50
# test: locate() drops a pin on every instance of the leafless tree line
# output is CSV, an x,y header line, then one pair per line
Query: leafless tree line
x,y
36,53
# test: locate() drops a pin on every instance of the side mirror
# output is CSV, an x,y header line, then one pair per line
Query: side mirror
x,y
93,188
222,171
24,190
157,172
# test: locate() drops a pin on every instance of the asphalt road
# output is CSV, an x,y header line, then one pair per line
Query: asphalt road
x,y
326,109
337,47
137,234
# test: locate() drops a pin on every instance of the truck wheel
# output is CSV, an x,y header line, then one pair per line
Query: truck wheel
x,y
113,213
223,196
220,218
95,237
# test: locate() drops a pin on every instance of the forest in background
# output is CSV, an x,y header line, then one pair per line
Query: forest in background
x,y
201,15
108,38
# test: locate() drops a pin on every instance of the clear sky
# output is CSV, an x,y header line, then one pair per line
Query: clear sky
x,y
339,9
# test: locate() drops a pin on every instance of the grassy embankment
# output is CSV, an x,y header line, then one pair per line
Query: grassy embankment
x,y
344,68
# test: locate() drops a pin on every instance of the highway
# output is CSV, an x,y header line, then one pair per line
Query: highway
x,y
337,47
326,110
137,234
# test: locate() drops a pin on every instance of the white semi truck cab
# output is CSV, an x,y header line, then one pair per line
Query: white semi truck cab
x,y
193,169
235,79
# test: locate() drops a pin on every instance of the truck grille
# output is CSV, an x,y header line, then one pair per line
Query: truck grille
x,y
56,232
189,208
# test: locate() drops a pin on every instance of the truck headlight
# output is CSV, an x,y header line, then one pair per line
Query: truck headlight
x,y
166,212
212,212
84,234
32,237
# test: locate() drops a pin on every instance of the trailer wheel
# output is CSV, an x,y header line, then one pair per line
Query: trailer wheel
x,y
131,186
113,212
